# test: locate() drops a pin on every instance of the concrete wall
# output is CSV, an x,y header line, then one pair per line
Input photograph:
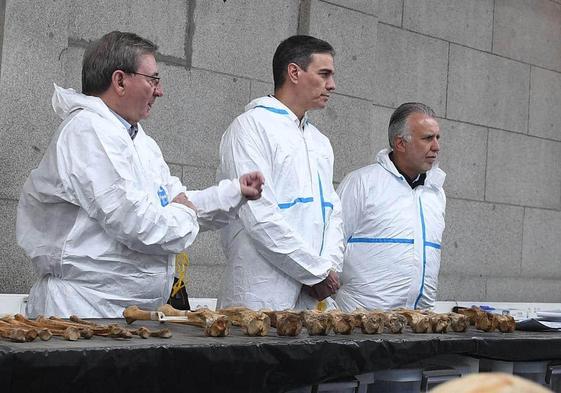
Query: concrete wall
x,y
491,69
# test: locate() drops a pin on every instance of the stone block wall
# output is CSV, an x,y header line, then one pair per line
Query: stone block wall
x,y
491,69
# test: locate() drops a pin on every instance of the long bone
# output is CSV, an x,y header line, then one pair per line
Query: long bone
x,y
13,334
113,331
17,333
43,333
213,323
102,330
70,333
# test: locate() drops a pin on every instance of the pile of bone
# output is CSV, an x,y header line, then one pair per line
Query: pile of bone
x,y
18,328
290,323
488,322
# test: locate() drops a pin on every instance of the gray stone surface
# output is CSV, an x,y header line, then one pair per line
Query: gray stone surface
x,y
353,35
461,287
205,280
529,30
545,103
348,123
176,170
367,6
71,63
2,10
206,249
463,156
523,170
197,178
16,270
541,249
482,239
33,40
487,89
197,107
522,289
389,11
162,21
381,121
468,22
260,89
410,67
240,37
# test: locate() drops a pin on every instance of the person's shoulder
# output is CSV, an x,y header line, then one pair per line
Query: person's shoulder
x,y
367,171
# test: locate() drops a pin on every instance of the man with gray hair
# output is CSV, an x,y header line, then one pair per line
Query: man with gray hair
x,y
393,214
101,217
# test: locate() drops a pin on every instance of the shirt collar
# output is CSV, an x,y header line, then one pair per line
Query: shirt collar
x,y
132,129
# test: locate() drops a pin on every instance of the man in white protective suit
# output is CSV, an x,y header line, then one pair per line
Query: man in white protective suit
x,y
394,218
290,239
101,217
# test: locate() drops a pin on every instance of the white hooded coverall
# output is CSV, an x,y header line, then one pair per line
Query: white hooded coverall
x,y
393,235
96,218
293,234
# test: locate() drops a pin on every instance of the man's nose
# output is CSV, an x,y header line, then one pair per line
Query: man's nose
x,y
435,145
330,84
159,90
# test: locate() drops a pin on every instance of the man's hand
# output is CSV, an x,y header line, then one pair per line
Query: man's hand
x,y
251,185
182,199
325,288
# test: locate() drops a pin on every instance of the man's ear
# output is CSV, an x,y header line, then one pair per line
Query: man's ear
x,y
293,72
118,82
399,143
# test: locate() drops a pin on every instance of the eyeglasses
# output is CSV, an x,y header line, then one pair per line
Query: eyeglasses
x,y
154,80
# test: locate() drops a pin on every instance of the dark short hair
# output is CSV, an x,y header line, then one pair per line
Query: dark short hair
x,y
398,120
114,51
297,49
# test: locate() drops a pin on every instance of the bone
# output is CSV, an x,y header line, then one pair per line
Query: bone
x,y
458,322
505,323
439,322
253,323
343,323
394,323
13,334
133,313
70,333
144,332
86,331
213,323
43,333
287,323
470,313
481,319
369,322
317,323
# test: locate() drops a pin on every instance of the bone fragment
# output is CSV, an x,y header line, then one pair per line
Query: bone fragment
x,y
253,323
317,323
213,323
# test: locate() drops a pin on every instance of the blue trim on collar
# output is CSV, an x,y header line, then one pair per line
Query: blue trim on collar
x,y
278,111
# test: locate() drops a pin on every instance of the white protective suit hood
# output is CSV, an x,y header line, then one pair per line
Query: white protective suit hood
x,y
393,235
96,218
293,234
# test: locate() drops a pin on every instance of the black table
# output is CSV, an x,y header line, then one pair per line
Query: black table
x,y
191,362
